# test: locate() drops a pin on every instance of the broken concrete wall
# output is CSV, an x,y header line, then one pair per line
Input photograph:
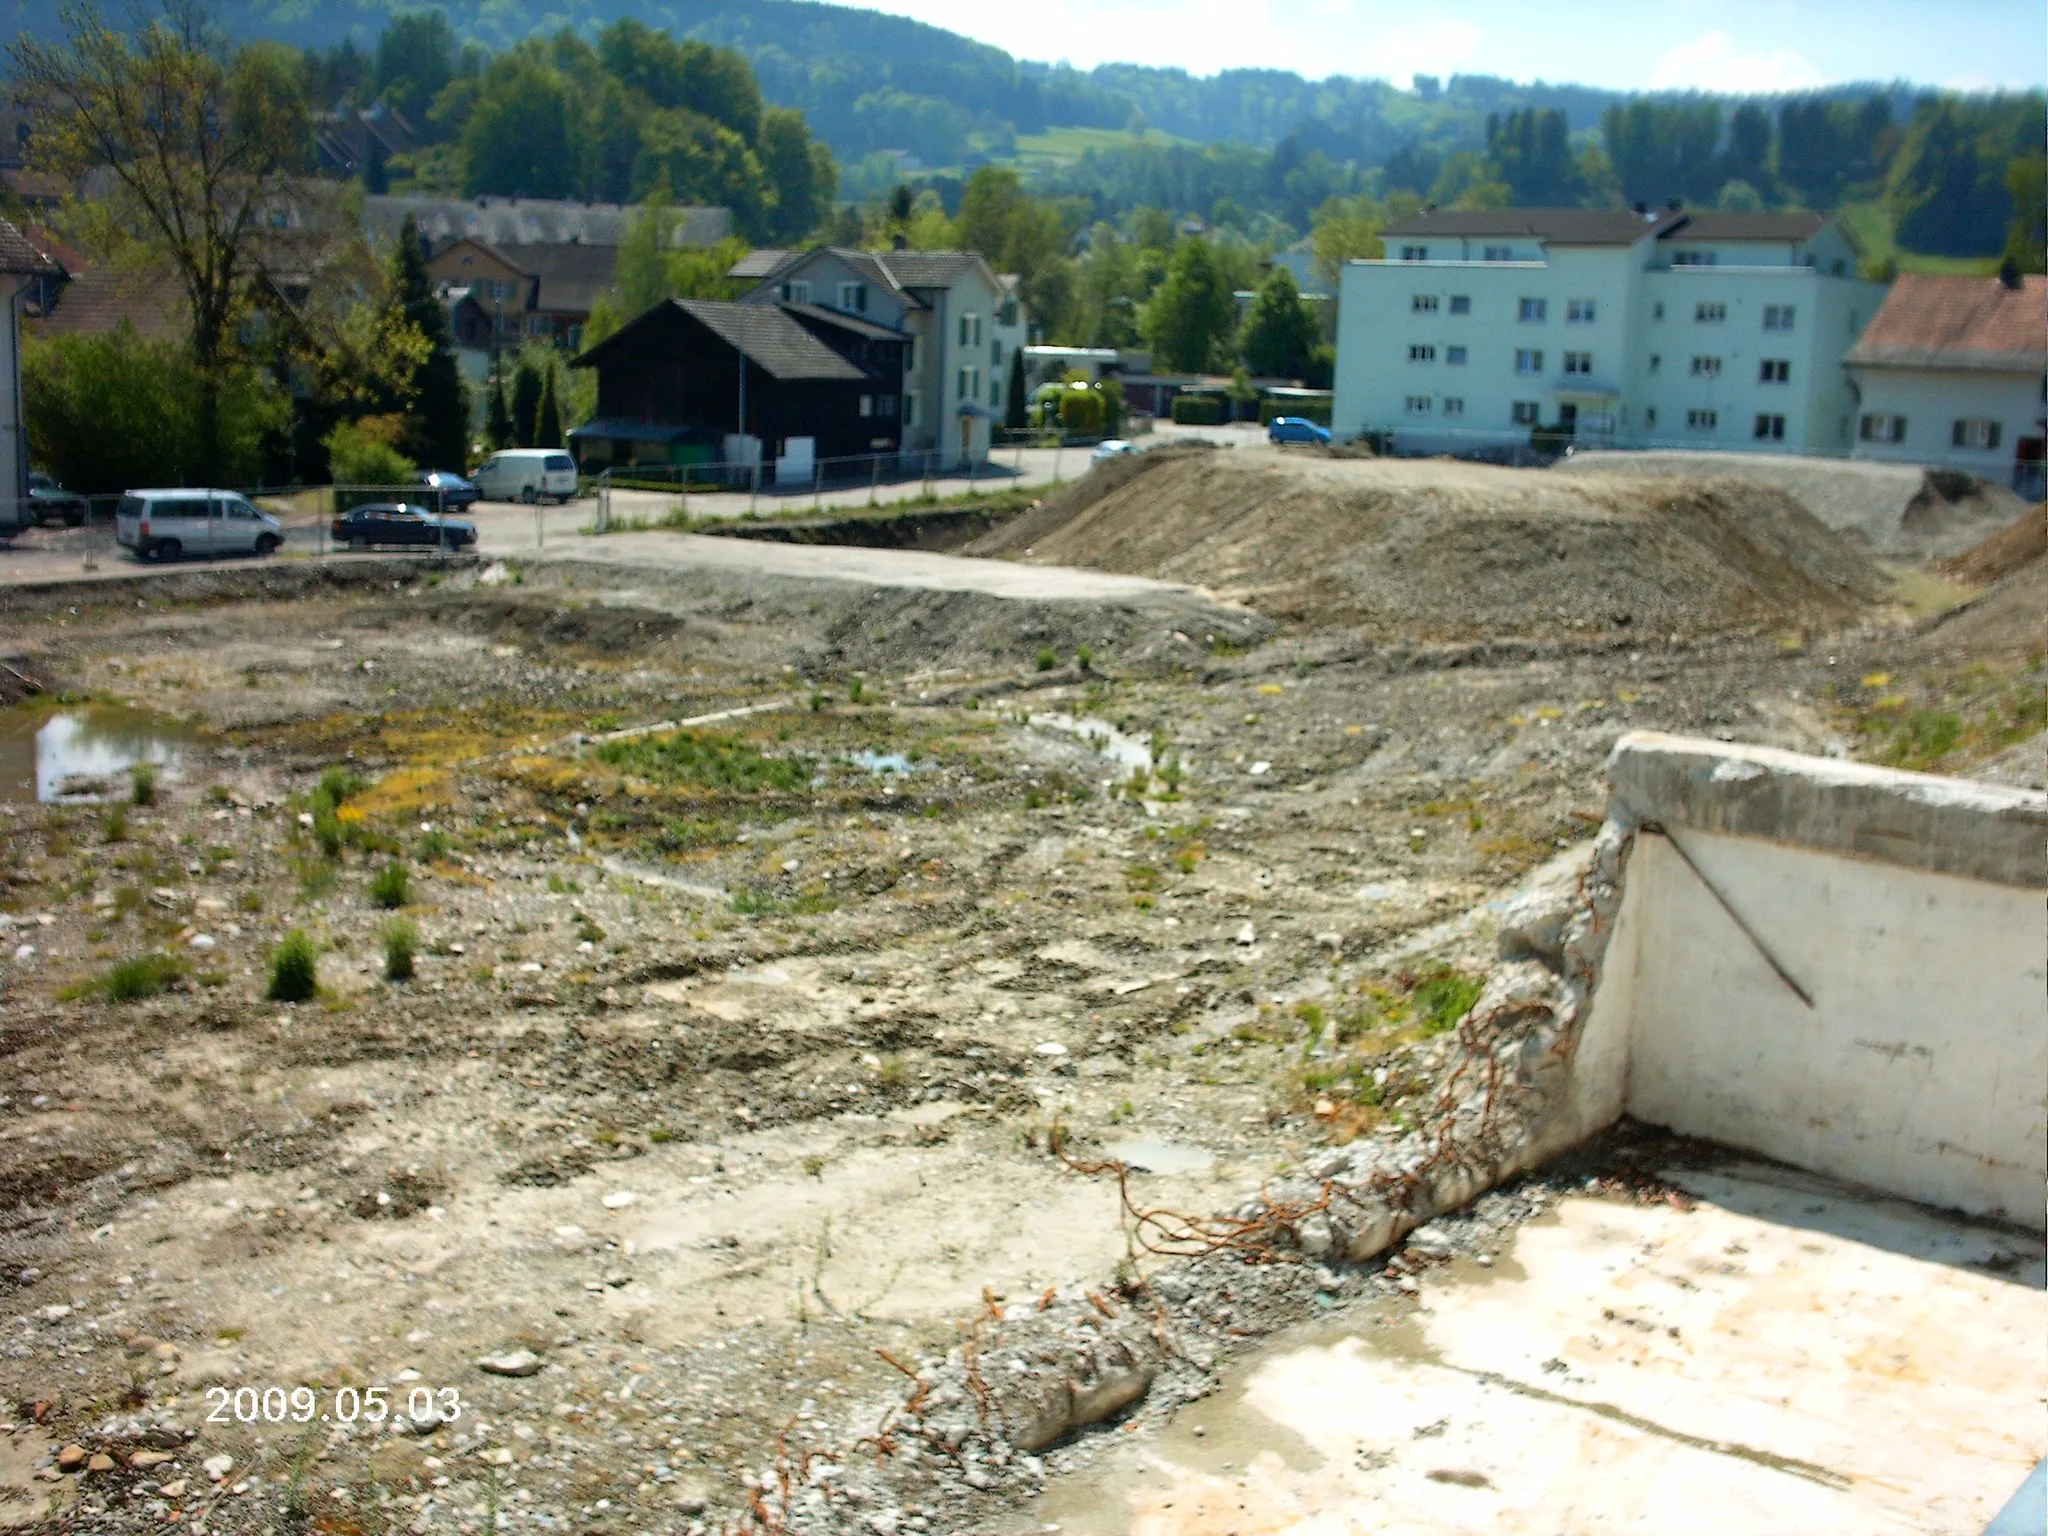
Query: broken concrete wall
x,y
1833,964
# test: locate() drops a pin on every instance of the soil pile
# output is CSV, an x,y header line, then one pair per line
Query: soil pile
x,y
2022,540
1896,509
1437,551
2009,616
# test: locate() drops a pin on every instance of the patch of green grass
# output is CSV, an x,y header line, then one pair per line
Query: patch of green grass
x,y
294,969
751,901
401,944
114,823
390,886
317,875
1442,998
710,762
1048,658
431,846
142,783
140,976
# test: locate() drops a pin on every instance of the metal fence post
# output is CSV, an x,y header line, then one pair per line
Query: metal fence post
x,y
1059,447
540,531
874,476
754,489
817,486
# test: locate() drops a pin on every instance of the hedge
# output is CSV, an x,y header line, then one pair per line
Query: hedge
x,y
1197,411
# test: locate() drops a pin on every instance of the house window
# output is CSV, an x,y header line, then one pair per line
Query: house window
x,y
853,297
1578,312
1692,258
1528,361
1706,367
910,355
1007,314
1418,405
1777,317
970,330
1774,370
1455,356
995,394
1974,432
867,405
1702,421
1709,312
1657,310
536,325
1454,405
797,291
500,289
1498,253
1656,361
1423,303
1421,353
969,383
1882,428
1415,253
1578,362
1769,428
910,408
1533,309
1649,418
1461,303
1523,413
995,353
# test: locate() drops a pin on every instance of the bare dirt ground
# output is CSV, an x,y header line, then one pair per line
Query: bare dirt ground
x,y
722,1098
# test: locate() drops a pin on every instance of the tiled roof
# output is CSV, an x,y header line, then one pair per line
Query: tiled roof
x,y
845,322
1553,226
100,298
514,221
571,276
1716,224
758,264
68,258
1958,322
20,257
927,269
769,338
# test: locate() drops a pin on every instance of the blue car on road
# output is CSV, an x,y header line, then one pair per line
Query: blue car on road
x,y
1296,429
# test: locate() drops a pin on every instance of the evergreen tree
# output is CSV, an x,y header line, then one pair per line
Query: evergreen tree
x,y
1013,393
1279,334
1192,314
437,426
498,430
525,403
547,427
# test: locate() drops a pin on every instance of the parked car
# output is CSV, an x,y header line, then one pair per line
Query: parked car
x,y
527,474
400,522
448,490
162,525
51,503
1114,448
1296,429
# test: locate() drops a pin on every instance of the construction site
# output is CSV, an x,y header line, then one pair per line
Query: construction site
x,y
1268,991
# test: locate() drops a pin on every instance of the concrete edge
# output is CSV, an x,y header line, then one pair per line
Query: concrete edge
x,y
1947,826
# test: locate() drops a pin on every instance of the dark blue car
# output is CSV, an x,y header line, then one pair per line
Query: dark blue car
x,y
1296,429
397,522
448,490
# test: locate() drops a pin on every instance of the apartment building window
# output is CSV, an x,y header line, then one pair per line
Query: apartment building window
x,y
1415,253
1769,428
1454,405
910,408
1418,405
1702,421
1455,356
1422,353
970,330
995,394
1657,310
968,385
1523,413
867,405
1649,418
995,353
1578,311
1706,367
1881,427
1528,360
1461,303
910,355
797,291
1974,432
1578,362
1777,317
1709,312
1533,309
1423,304
1656,361
1692,258
1774,370
1498,253
853,297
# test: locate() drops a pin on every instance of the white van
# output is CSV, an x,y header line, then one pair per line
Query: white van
x,y
162,525
527,474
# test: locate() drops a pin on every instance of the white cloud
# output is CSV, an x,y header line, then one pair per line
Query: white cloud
x,y
1711,63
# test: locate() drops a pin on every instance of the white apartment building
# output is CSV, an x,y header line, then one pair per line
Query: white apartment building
x,y
1954,371
962,320
1668,329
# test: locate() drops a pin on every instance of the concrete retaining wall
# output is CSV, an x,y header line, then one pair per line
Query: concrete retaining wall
x,y
1835,965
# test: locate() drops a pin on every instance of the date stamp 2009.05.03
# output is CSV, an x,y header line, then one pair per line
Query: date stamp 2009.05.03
x,y
331,1405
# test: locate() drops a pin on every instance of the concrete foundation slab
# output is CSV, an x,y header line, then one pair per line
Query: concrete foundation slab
x,y
1786,1356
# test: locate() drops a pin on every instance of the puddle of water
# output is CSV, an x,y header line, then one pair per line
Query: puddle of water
x,y
84,754
881,762
1125,750
1155,1154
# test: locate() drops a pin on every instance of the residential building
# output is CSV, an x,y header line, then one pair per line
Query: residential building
x,y
958,320
360,141
20,264
1954,371
773,385
1620,329
502,296
505,222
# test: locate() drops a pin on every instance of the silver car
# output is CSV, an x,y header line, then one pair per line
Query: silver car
x,y
164,525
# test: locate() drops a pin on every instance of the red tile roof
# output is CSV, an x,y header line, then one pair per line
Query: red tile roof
x,y
100,298
1958,322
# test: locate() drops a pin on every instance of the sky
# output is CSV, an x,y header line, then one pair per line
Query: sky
x,y
1716,45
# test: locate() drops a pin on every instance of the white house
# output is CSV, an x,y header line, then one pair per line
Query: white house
x,y
19,263
1954,371
1626,329
962,321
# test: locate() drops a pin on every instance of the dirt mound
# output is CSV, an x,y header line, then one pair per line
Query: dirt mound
x,y
1896,509
2010,616
2022,540
1442,551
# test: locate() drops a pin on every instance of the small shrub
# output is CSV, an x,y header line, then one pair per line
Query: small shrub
x,y
316,877
750,901
854,690
141,976
250,901
114,823
401,944
294,969
142,783
1047,659
390,885
1084,657
432,846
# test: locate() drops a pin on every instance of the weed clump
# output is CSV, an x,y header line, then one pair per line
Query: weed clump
x,y
114,823
141,976
294,969
431,847
712,762
142,783
1048,658
390,886
401,944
